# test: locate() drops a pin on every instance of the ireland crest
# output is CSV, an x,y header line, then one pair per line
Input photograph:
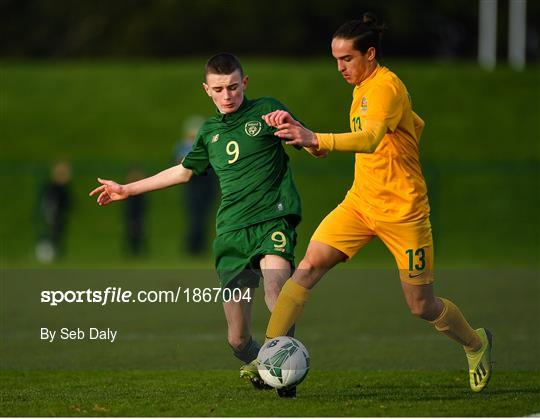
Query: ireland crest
x,y
253,128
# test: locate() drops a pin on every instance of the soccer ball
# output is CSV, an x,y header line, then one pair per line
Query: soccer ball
x,y
283,362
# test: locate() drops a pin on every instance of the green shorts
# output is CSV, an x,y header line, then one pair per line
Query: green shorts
x,y
238,252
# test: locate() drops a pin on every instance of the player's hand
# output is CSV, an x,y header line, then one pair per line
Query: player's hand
x,y
297,135
109,191
279,117
290,130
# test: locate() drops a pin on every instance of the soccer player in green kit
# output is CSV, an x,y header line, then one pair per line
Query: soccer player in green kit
x,y
260,206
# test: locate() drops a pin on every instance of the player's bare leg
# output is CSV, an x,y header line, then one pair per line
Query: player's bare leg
x,y
319,259
275,270
238,315
422,301
448,319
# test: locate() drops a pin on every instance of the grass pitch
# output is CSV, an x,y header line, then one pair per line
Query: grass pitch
x,y
221,393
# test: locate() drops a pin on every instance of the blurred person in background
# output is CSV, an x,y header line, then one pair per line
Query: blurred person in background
x,y
388,198
259,209
134,218
54,204
200,194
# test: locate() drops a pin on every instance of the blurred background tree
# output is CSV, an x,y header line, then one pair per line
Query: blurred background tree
x,y
171,28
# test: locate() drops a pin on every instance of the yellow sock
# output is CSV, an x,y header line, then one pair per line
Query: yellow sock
x,y
288,308
453,324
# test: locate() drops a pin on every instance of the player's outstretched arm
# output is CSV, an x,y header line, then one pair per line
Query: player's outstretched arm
x,y
365,141
294,133
110,191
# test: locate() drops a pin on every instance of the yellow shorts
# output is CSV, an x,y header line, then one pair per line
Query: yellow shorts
x,y
348,230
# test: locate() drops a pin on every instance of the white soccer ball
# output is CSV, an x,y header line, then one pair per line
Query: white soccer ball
x,y
283,361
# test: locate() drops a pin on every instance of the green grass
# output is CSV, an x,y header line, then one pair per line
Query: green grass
x,y
221,393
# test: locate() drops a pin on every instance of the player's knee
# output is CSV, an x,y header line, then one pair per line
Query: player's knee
x,y
309,270
318,260
238,342
422,308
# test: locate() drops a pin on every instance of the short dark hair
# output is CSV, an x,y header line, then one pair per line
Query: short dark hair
x,y
223,63
365,33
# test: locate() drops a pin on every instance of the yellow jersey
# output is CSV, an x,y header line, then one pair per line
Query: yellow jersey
x,y
388,183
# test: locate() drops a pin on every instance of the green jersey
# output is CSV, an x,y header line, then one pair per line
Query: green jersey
x,y
251,164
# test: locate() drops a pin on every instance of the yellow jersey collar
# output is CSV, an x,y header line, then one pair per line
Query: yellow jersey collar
x,y
371,76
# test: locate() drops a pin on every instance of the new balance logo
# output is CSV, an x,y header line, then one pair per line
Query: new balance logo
x,y
215,138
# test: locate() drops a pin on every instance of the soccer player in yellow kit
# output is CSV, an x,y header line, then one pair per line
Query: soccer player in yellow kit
x,y
388,198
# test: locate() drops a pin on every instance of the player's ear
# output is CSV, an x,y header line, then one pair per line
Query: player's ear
x,y
206,89
371,53
245,81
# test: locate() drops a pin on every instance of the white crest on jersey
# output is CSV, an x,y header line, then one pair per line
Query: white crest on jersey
x,y
253,128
